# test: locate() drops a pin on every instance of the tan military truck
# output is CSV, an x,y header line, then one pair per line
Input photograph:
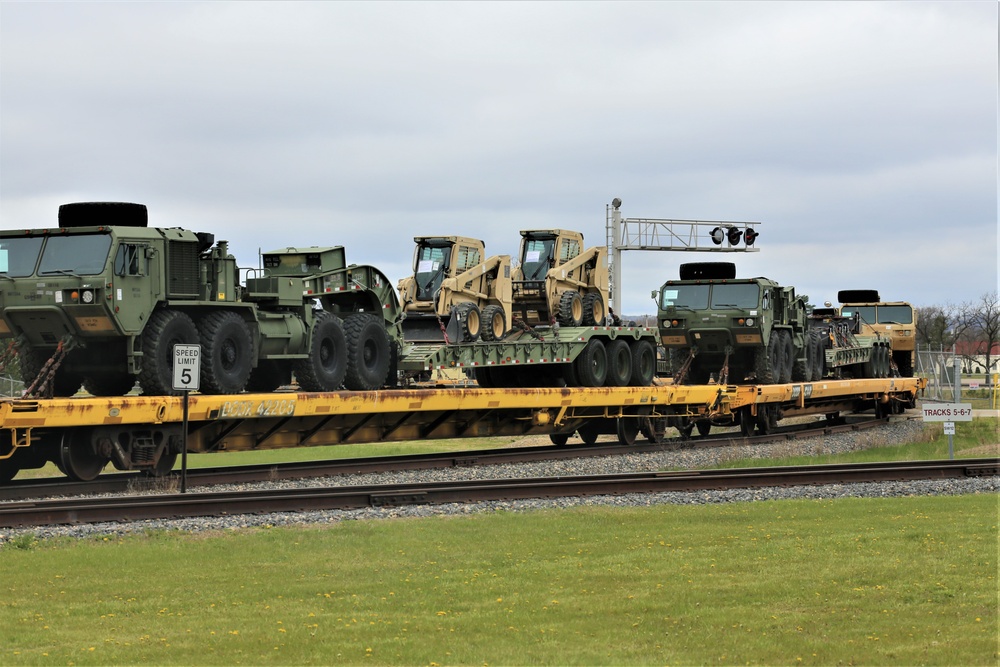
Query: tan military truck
x,y
896,320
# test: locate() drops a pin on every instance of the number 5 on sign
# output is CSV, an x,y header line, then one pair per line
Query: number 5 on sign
x,y
187,367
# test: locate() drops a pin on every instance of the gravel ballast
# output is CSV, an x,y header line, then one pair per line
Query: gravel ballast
x,y
897,432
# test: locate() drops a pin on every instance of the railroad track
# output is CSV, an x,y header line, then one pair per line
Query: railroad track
x,y
135,508
201,477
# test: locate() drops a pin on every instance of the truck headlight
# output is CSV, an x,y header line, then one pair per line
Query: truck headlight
x,y
87,296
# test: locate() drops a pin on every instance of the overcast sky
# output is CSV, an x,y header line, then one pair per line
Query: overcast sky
x,y
861,135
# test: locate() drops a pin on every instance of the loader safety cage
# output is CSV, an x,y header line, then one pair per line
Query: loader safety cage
x,y
293,419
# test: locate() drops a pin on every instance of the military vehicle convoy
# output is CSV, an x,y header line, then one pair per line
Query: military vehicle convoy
x,y
718,328
101,301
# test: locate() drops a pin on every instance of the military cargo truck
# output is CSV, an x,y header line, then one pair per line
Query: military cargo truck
x,y
895,319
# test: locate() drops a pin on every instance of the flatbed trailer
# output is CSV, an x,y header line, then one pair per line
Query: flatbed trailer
x,y
81,435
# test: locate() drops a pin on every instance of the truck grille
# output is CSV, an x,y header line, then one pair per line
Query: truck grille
x,y
183,279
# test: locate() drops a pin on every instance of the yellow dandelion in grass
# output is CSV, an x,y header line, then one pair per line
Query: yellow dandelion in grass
x,y
501,600
442,613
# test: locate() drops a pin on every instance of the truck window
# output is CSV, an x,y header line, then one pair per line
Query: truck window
x,y
744,296
467,258
19,256
895,314
536,260
694,297
81,255
128,260
432,265
866,313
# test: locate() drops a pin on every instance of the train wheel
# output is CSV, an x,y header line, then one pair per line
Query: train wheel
x,y
588,432
163,467
767,419
704,427
559,439
593,309
747,422
110,383
495,323
592,365
653,428
326,365
619,364
227,353
78,460
367,352
269,375
627,429
643,364
165,329
570,309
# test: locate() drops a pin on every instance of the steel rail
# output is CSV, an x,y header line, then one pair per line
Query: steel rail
x,y
137,482
135,508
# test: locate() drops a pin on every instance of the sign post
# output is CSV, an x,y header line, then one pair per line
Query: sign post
x,y
949,413
187,378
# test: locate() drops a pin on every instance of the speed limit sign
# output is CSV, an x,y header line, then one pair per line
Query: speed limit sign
x,y
187,367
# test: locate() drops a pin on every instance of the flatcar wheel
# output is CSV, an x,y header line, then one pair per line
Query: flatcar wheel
x,y
703,426
78,460
747,423
628,430
559,439
588,433
163,466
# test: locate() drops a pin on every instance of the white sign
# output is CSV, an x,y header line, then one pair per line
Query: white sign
x,y
187,367
947,412
949,428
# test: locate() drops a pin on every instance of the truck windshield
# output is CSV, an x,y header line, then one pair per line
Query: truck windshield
x,y
535,261
867,313
693,297
894,314
432,265
19,256
79,255
739,295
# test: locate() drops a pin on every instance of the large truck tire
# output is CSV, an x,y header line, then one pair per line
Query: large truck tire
x,y
367,352
787,356
619,364
592,365
494,323
66,381
269,375
227,353
165,329
767,360
643,363
325,367
110,383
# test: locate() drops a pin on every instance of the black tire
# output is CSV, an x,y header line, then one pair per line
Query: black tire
x,y
619,364
165,329
92,214
904,362
819,358
367,352
494,324
643,363
593,309
802,363
110,383
269,375
627,429
767,361
591,366
226,353
66,381
787,356
326,366
470,322
484,377
570,309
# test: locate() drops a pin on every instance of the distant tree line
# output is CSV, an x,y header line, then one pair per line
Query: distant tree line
x,y
972,329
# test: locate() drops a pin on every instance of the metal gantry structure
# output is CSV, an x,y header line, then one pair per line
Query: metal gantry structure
x,y
669,234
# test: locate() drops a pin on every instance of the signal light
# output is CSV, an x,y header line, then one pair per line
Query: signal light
x,y
734,236
718,236
750,236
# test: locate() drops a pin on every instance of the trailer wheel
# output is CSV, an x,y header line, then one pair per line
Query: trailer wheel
x,y
484,378
494,323
269,375
111,383
78,459
165,329
367,352
619,363
592,365
227,350
570,309
593,309
643,363
325,367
